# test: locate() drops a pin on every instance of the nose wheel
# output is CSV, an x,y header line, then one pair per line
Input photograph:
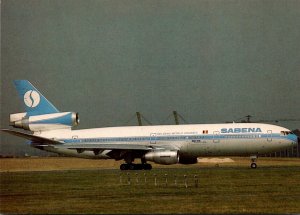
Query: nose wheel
x,y
253,162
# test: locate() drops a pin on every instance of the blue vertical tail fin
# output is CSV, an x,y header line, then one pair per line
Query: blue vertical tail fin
x,y
35,103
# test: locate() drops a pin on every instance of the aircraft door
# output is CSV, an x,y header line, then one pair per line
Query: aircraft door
x,y
269,135
153,138
216,136
75,138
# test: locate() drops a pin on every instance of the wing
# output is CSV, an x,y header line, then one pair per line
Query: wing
x,y
116,151
33,138
115,146
93,146
36,140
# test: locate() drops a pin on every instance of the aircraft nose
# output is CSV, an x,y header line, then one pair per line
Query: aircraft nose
x,y
293,138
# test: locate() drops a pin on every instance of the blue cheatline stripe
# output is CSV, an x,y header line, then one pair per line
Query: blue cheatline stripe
x,y
173,138
292,137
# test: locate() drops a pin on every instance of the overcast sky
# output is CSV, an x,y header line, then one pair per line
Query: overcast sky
x,y
212,61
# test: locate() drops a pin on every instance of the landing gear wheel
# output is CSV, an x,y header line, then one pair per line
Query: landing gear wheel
x,y
253,165
124,166
131,166
147,166
253,159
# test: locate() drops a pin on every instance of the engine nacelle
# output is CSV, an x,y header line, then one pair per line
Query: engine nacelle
x,y
16,117
162,157
44,122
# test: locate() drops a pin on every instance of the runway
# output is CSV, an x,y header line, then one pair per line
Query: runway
x,y
69,163
78,186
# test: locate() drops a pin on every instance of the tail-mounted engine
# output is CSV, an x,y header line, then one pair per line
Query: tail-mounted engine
x,y
44,122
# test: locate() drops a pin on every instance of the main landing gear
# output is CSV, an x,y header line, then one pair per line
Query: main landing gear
x,y
132,166
253,162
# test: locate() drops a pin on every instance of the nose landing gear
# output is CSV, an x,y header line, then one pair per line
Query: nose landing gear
x,y
253,161
253,165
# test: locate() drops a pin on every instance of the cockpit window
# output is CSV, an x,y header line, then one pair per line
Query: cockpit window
x,y
285,132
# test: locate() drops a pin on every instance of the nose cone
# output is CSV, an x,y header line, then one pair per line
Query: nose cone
x,y
293,138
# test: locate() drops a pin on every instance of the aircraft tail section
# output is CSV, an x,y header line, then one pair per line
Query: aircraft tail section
x,y
35,103
41,114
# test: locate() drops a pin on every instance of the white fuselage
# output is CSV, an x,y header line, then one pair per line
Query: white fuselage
x,y
191,140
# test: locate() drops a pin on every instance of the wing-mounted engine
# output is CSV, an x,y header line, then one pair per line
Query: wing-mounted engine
x,y
44,122
162,157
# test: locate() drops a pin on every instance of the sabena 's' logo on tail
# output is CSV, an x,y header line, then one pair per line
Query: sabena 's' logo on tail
x,y
31,98
41,114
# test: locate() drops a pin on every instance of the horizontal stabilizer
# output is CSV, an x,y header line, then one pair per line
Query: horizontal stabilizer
x,y
34,138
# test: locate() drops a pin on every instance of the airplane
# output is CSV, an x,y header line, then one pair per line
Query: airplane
x,y
51,130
